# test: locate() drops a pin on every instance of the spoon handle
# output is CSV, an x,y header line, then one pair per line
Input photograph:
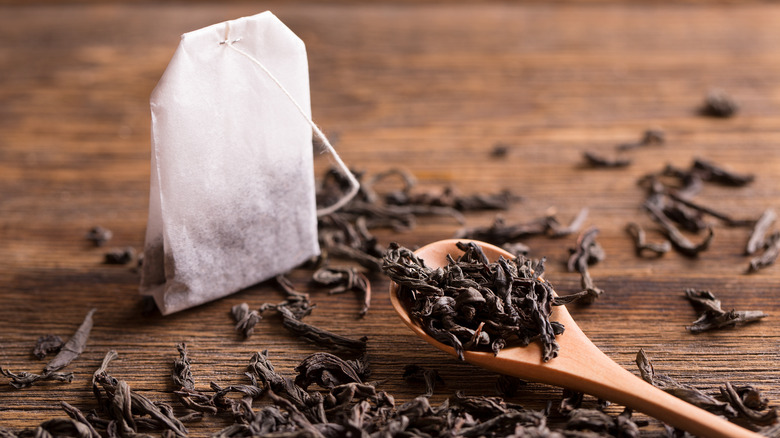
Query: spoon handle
x,y
612,382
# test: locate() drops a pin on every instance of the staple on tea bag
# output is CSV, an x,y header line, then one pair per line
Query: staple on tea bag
x,y
232,187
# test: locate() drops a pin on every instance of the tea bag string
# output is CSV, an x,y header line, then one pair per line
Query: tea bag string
x,y
353,182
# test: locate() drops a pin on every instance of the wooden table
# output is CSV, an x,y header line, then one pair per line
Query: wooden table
x,y
430,88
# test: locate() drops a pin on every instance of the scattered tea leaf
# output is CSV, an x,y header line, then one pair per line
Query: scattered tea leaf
x,y
99,235
245,319
769,256
679,390
73,348
119,256
747,401
719,104
713,317
46,345
587,252
593,159
650,137
757,238
642,246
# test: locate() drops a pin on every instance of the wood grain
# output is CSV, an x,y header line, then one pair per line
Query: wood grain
x,y
430,88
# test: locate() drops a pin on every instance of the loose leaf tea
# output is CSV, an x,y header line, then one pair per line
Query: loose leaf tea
x,y
84,427
119,256
650,137
499,233
295,308
642,246
719,104
329,371
745,402
73,348
603,424
341,280
25,379
587,252
182,375
46,345
128,410
748,402
713,317
679,390
757,238
769,256
67,353
472,304
99,235
245,319
679,241
593,159
669,202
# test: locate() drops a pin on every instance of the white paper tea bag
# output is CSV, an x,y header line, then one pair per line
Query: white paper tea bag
x,y
232,198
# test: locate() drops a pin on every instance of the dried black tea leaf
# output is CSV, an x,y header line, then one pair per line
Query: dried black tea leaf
x,y
679,390
642,246
747,401
602,424
713,317
757,238
245,319
296,307
587,252
769,256
679,241
650,137
182,375
500,150
329,371
73,348
345,234
67,353
416,373
448,197
99,235
593,159
726,219
472,304
719,104
129,410
24,379
86,429
318,336
119,256
710,171
341,280
46,345
558,230
500,233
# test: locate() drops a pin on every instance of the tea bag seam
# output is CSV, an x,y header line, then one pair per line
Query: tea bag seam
x,y
354,184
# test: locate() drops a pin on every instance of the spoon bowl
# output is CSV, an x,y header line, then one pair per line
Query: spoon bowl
x,y
580,365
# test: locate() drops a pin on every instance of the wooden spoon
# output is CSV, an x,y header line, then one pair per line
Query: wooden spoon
x,y
580,365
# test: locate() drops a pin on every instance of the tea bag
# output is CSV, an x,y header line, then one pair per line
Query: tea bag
x,y
232,199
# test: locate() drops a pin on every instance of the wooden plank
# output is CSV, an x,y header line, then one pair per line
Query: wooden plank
x,y
430,88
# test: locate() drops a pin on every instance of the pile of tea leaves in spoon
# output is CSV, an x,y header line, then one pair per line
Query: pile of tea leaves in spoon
x,y
473,304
